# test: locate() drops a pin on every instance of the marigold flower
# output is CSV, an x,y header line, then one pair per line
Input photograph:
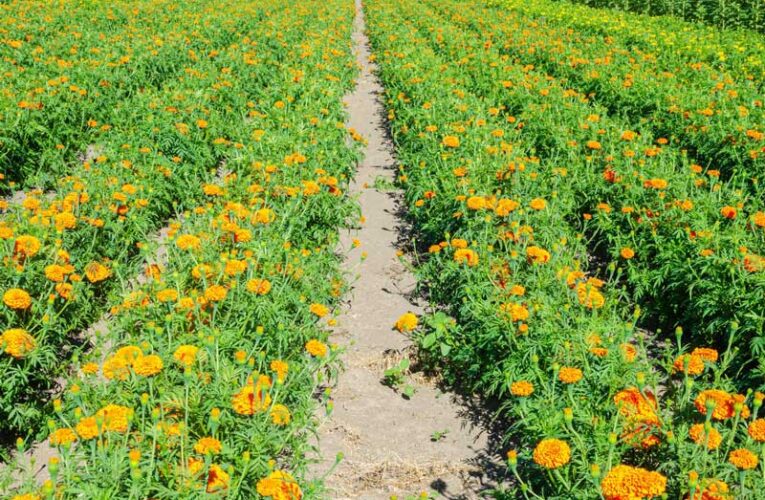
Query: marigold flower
x,y
552,453
17,342
62,437
316,348
280,414
538,204
627,253
17,299
743,459
216,293
451,141
728,212
467,256
407,322
217,479
756,430
319,310
26,246
711,489
188,242
724,404
253,397
522,388
536,255
96,272
148,366
699,436
689,364
186,354
207,445
569,375
280,486
281,368
624,482
476,203
259,286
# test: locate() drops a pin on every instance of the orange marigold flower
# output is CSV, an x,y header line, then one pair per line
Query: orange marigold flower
x,y
280,415
253,397
756,430
18,299
281,368
451,141
259,286
728,212
62,437
536,255
689,364
407,322
711,489
699,436
316,348
26,246
552,453
186,354
743,459
280,486
476,203
627,253
96,272
467,256
723,404
320,310
624,482
216,293
569,375
207,445
217,479
17,342
522,388
188,242
148,366
538,204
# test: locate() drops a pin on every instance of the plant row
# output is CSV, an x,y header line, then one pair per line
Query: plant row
x,y
514,188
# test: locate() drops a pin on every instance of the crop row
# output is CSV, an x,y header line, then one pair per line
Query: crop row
x,y
506,171
204,380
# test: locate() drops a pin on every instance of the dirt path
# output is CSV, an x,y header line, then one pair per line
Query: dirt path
x,y
389,443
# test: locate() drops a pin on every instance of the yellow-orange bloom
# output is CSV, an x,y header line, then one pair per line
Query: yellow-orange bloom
x,y
569,375
186,354
17,299
699,436
407,322
62,437
17,342
756,430
743,459
259,286
279,485
522,388
723,404
217,479
207,445
280,415
451,141
96,272
552,453
148,366
253,397
624,482
316,348
467,256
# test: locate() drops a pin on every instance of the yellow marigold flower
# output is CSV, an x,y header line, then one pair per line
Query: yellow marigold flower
x,y
217,479
96,272
633,483
743,459
235,267
208,445
467,256
316,348
656,183
186,354
280,415
689,364
407,322
594,145
27,496
281,368
517,312
17,342
505,206
115,417
216,293
538,204
756,430
259,286
569,375
522,388
87,428
589,296
319,310
62,437
263,216
26,246
148,366
253,397
451,141
699,436
728,212
188,242
90,368
552,453
18,299
280,486
712,489
56,273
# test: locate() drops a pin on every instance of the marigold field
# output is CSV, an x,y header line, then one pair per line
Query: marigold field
x,y
585,189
